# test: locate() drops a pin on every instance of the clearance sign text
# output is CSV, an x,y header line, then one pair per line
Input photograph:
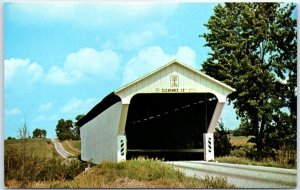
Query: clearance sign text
x,y
172,90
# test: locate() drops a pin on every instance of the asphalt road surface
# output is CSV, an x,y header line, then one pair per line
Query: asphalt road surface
x,y
59,148
242,176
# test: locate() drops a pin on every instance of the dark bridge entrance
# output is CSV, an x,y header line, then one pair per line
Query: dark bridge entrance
x,y
168,126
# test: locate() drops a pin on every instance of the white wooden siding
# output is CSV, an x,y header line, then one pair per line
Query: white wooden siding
x,y
99,136
190,81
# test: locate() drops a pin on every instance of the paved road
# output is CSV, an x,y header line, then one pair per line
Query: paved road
x,y
60,149
242,176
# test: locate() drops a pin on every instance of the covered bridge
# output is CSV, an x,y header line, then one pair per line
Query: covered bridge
x,y
170,113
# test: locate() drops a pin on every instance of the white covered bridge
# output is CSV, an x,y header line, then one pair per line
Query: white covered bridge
x,y
170,113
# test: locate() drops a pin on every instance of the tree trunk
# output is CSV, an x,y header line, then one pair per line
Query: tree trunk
x,y
260,138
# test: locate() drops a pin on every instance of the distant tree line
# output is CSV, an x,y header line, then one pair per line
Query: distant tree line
x,y
65,130
23,133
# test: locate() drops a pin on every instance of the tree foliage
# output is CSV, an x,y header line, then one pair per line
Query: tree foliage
x,y
222,141
254,50
67,129
39,133
77,128
64,129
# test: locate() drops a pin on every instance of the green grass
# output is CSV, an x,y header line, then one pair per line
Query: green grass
x,y
139,173
31,160
40,147
76,144
69,146
247,161
42,171
240,155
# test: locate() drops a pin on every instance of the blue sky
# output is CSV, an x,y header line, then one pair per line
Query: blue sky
x,y
61,59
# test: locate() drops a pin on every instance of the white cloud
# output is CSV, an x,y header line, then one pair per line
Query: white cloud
x,y
135,39
57,75
90,61
36,71
78,106
11,66
13,112
138,39
85,62
154,57
186,55
37,12
45,107
89,15
22,69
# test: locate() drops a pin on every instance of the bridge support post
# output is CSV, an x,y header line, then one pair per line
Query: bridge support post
x,y
208,143
122,148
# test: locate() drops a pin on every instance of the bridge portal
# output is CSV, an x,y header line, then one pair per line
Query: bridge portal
x,y
170,114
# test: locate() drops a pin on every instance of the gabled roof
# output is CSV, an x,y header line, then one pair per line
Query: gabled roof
x,y
118,94
180,64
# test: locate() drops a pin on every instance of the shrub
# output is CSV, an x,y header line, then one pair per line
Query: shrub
x,y
138,173
285,156
215,182
141,173
48,141
222,141
238,153
149,169
34,168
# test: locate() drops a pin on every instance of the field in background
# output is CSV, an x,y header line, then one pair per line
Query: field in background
x,y
239,140
72,147
29,161
76,144
40,147
243,153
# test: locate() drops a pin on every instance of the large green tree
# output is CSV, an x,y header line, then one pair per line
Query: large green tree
x,y
64,129
67,129
254,50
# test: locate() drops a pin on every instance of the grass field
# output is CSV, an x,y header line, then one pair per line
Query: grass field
x,y
238,155
139,173
239,140
40,147
75,144
72,147
247,161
